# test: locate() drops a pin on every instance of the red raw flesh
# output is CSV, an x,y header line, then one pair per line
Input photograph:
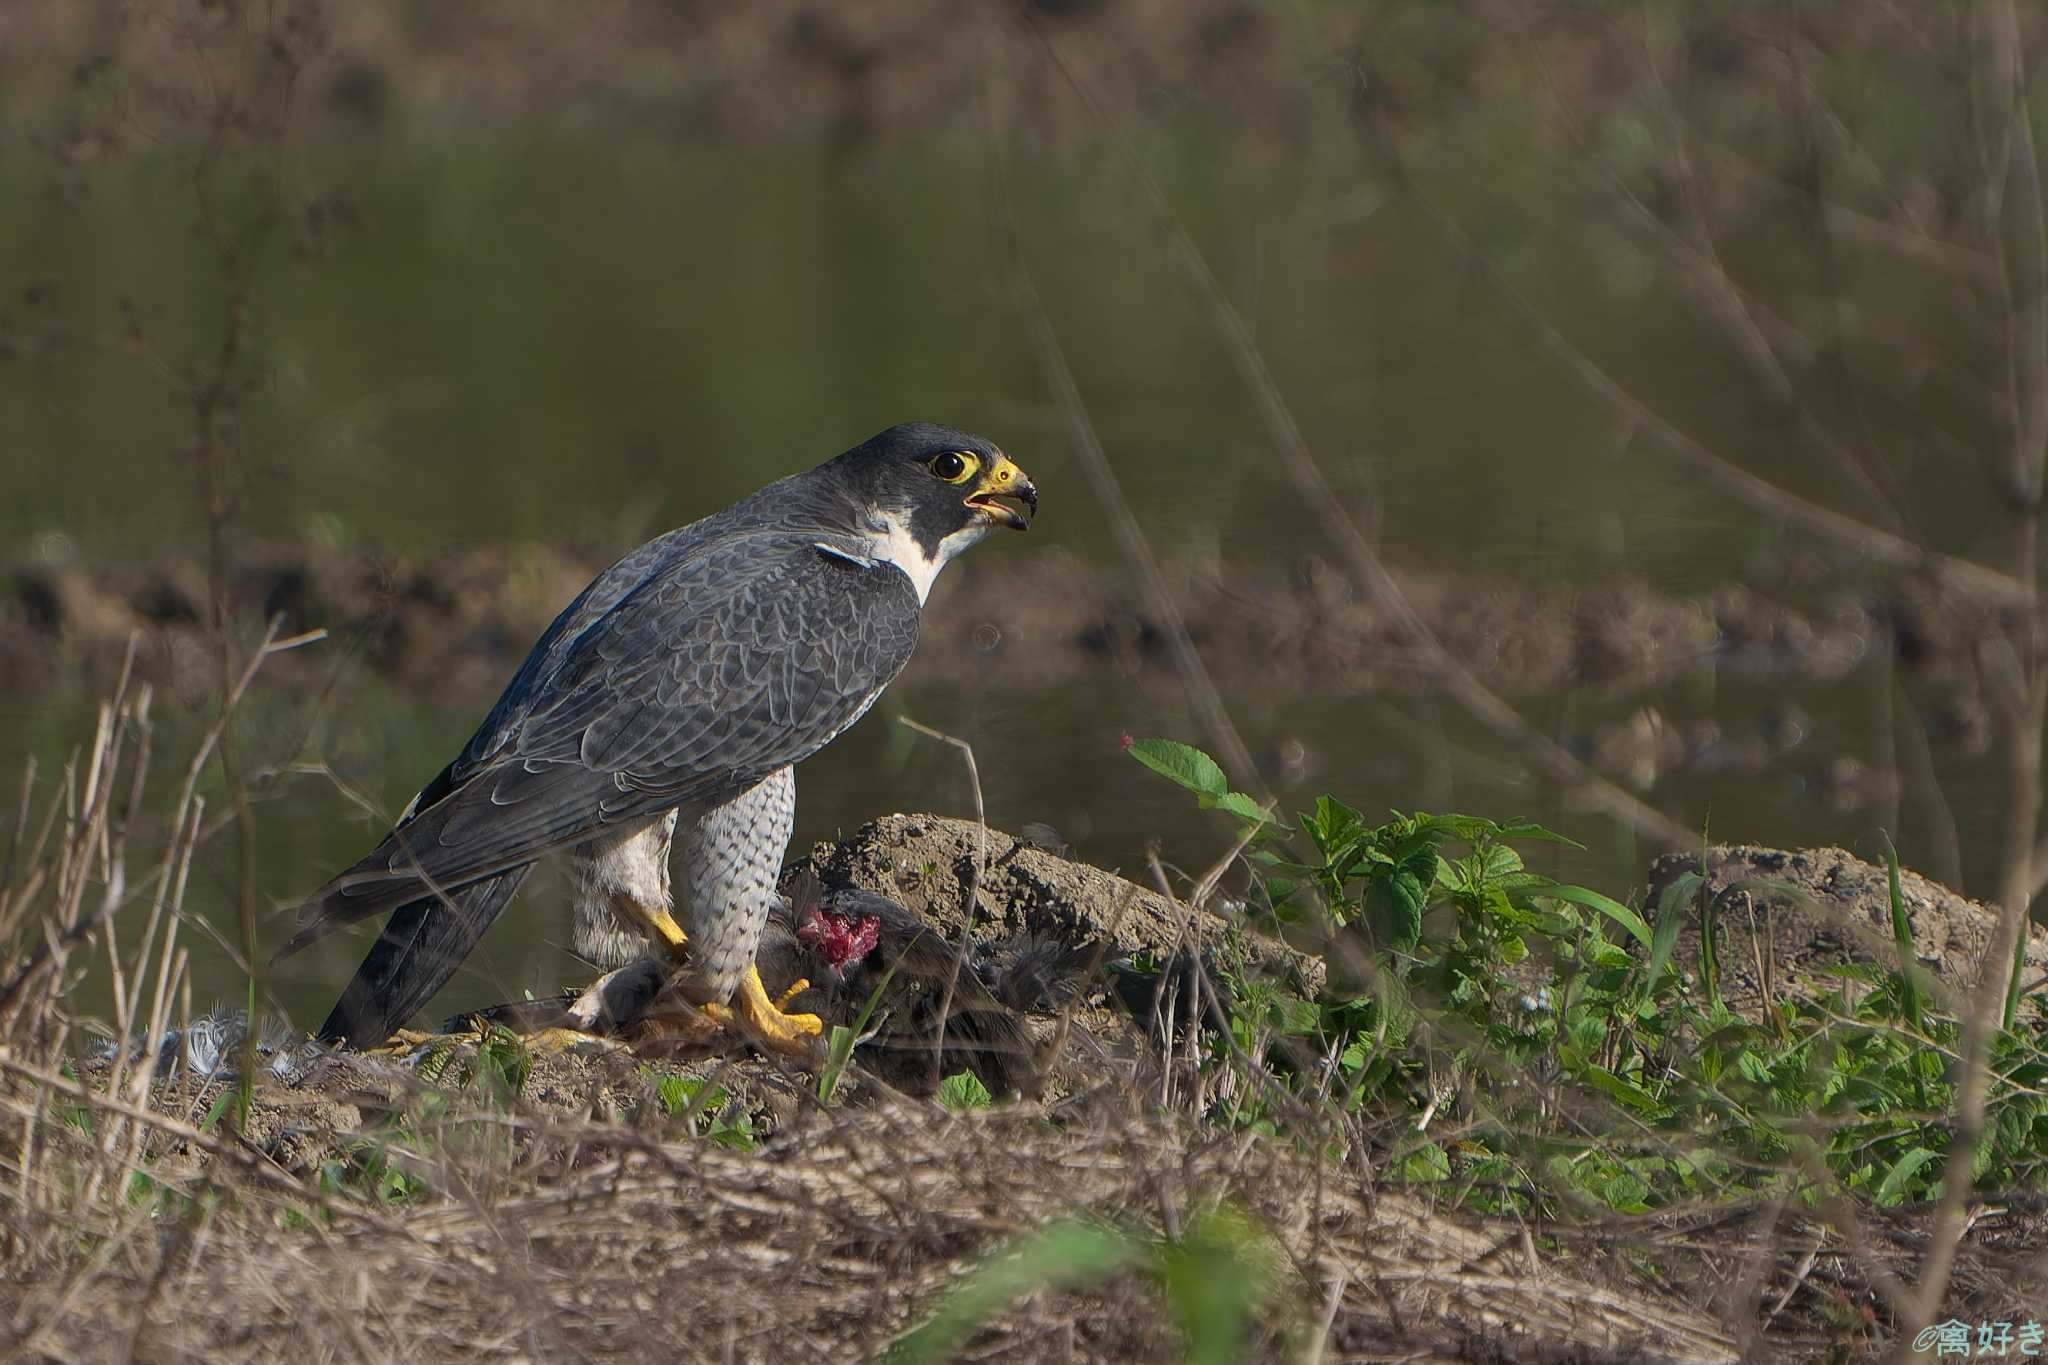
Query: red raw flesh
x,y
842,940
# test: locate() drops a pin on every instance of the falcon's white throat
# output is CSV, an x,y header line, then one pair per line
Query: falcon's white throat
x,y
892,543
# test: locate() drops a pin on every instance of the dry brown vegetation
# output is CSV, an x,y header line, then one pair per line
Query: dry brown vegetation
x,y
359,1211
144,1219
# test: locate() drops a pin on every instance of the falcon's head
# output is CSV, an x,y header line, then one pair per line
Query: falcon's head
x,y
928,492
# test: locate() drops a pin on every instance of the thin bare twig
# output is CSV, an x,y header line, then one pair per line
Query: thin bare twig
x,y
2018,683
1542,752
1209,707
973,907
1690,253
79,928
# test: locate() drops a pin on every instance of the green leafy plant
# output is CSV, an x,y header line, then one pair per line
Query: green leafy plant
x,y
705,1106
1458,974
838,1054
74,1116
503,1063
963,1090
840,1044
1199,773
1215,1278
367,1170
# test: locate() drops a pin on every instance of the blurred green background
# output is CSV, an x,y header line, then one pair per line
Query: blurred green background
x,y
501,276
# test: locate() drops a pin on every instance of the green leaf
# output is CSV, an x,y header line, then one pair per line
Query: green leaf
x,y
1627,1091
1065,1253
1670,918
963,1090
1243,807
1214,1278
503,1062
1497,861
1337,831
1427,1163
679,1094
1395,904
1893,1188
213,1114
1609,955
1182,763
1613,909
1406,839
1266,857
737,1134
1297,1018
1469,829
1710,953
838,1052
1902,936
1625,1191
1525,829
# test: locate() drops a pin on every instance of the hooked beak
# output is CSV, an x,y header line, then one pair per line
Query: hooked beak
x,y
999,486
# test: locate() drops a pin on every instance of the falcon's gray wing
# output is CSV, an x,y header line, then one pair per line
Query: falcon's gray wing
x,y
731,657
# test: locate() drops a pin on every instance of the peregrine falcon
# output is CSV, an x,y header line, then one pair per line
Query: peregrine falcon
x,y
669,702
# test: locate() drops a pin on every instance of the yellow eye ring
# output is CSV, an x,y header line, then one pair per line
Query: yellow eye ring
x,y
955,466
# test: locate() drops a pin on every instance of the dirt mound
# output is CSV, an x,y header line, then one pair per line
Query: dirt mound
x,y
927,863
1048,989
1785,915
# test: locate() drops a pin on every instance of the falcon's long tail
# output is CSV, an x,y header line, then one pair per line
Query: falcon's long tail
x,y
423,943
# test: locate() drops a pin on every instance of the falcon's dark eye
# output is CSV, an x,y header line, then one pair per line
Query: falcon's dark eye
x,y
953,466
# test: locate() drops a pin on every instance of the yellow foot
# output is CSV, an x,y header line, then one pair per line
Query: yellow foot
x,y
764,1021
541,1042
550,1041
406,1039
663,926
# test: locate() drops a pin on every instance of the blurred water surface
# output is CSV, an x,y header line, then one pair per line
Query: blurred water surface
x,y
584,340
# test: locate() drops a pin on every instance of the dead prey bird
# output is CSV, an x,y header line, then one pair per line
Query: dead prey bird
x,y
669,702
858,959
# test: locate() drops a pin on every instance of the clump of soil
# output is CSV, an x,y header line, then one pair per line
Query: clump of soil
x,y
1785,915
928,864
